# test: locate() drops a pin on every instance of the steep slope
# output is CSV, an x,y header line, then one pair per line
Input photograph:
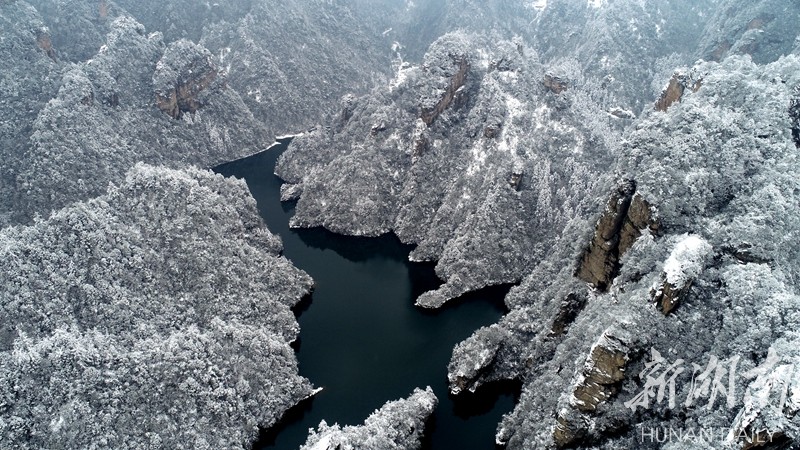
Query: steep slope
x,y
498,162
291,60
156,316
498,155
25,88
453,156
765,30
136,100
77,28
480,153
717,173
613,48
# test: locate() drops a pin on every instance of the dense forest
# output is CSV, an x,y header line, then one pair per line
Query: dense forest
x,y
630,167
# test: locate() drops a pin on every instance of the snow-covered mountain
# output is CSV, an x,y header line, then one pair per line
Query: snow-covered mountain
x,y
630,166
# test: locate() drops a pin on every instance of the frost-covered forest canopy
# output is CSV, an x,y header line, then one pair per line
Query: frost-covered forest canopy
x,y
630,166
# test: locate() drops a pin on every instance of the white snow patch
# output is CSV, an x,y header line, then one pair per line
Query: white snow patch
x,y
621,113
596,3
514,109
287,136
403,70
428,401
483,59
539,5
686,260
388,31
56,424
508,77
479,156
256,94
323,444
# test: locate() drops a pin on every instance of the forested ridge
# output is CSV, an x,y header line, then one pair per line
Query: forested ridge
x,y
630,167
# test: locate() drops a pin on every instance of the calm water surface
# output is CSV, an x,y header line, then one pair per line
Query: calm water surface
x,y
362,339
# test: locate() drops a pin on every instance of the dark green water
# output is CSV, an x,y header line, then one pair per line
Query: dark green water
x,y
362,339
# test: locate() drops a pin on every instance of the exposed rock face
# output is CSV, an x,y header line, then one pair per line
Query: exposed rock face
x,y
288,90
447,187
102,120
398,425
182,74
77,28
347,104
673,93
626,215
600,380
46,44
568,311
667,297
732,172
711,259
491,131
762,29
453,94
475,361
605,369
675,89
683,266
641,216
555,84
30,80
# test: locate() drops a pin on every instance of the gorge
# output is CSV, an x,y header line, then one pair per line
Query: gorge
x,y
362,340
528,206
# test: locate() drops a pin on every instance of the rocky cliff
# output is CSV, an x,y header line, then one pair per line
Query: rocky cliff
x,y
672,287
508,184
25,90
764,30
240,64
105,117
481,151
644,210
416,159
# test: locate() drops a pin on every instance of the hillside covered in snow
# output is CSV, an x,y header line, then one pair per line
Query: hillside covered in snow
x,y
628,168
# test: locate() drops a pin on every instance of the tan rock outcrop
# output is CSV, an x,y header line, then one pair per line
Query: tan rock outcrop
x,y
675,89
183,98
599,381
668,297
182,75
626,216
45,43
673,93
453,94
555,84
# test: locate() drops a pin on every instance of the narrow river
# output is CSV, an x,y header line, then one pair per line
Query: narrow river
x,y
362,339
